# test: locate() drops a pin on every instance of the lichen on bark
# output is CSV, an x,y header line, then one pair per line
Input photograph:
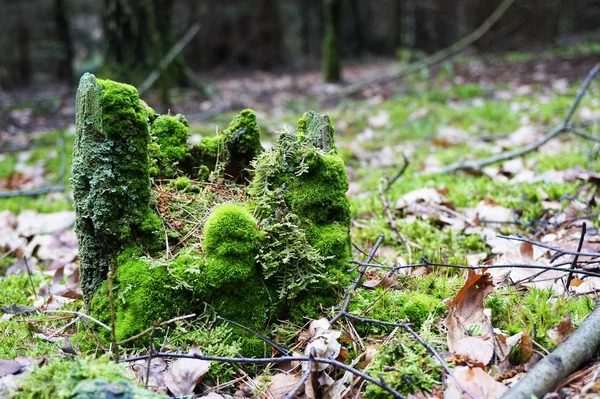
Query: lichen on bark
x,y
111,186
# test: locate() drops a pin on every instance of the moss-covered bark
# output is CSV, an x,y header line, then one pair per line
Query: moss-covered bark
x,y
110,179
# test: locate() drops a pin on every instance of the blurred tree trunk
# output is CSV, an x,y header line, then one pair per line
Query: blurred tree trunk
x,y
356,21
332,64
137,34
65,67
25,68
409,13
270,35
397,26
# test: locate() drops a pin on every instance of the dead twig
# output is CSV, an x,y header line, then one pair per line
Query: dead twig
x,y
391,220
579,348
438,57
268,360
274,345
356,284
576,258
565,127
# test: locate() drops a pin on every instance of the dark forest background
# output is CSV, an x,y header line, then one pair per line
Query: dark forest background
x,y
46,40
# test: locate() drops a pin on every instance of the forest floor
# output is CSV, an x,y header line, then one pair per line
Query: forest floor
x,y
396,141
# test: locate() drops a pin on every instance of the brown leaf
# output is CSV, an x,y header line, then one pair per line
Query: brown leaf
x,y
562,330
184,374
526,348
476,348
280,384
476,382
467,307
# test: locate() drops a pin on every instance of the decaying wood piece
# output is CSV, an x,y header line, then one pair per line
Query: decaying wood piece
x,y
579,348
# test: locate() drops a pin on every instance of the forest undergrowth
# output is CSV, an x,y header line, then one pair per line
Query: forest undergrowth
x,y
415,322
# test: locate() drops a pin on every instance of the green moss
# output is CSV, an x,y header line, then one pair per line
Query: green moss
x,y
169,147
537,310
213,340
144,292
100,388
181,184
230,231
110,177
16,339
58,379
396,306
231,152
319,195
406,366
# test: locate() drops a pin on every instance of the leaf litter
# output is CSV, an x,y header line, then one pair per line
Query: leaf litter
x,y
471,339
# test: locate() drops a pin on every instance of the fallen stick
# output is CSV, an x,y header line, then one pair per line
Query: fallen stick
x,y
438,57
164,63
545,376
558,130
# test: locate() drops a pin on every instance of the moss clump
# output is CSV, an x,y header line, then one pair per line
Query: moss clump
x,y
230,280
145,292
231,152
110,177
169,147
242,145
58,379
304,180
406,366
393,306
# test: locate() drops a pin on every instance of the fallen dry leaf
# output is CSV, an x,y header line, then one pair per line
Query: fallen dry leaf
x,y
9,367
323,343
562,330
476,382
280,384
466,310
184,374
423,195
476,348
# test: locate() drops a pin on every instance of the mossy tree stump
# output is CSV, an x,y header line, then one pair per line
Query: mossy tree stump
x,y
110,180
281,251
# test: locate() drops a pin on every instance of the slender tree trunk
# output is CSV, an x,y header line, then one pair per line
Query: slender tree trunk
x,y
356,20
332,65
409,26
137,35
25,68
397,27
270,35
65,67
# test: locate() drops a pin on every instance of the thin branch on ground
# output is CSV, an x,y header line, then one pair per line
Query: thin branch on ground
x,y
477,165
418,338
113,317
54,188
356,284
576,258
436,58
305,375
559,252
274,345
398,175
579,348
267,360
149,329
30,277
80,314
391,220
